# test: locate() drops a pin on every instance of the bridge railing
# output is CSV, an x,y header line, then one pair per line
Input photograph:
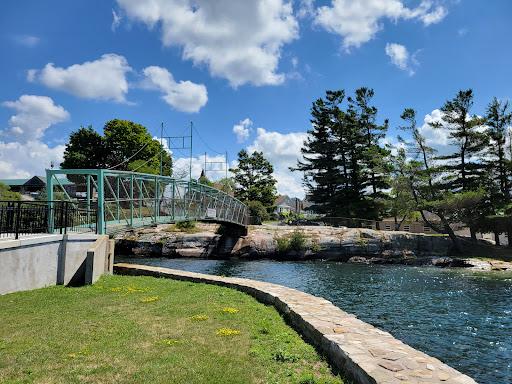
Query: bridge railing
x,y
130,199
21,218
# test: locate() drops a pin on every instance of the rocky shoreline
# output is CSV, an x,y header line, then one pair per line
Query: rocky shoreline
x,y
352,245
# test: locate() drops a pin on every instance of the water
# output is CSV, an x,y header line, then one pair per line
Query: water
x,y
463,318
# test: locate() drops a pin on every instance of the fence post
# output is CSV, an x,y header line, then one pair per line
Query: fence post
x,y
101,202
17,223
66,217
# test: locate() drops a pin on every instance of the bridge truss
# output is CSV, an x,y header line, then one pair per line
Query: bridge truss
x,y
129,199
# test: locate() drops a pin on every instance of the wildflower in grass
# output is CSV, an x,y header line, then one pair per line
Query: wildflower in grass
x,y
170,341
116,289
229,310
227,332
134,289
199,318
150,299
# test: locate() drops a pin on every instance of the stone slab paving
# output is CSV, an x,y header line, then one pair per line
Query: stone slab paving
x,y
362,352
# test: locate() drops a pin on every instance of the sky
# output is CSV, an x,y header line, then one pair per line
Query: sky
x,y
243,72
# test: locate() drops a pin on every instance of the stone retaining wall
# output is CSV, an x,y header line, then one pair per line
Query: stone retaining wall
x,y
359,350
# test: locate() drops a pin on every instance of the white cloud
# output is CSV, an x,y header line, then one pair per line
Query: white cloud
x,y
116,20
23,160
103,79
240,41
22,154
181,166
34,114
184,96
242,130
357,22
282,150
400,57
27,40
435,137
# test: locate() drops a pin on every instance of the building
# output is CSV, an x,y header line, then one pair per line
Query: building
x,y
36,184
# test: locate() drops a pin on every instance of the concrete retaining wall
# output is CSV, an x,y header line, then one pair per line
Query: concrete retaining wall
x,y
46,260
362,352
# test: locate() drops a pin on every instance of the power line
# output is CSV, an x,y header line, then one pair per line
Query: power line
x,y
131,157
206,144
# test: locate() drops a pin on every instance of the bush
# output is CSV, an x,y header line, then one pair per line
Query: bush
x,y
257,209
186,225
296,241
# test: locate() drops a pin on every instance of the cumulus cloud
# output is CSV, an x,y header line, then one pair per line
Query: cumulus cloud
x,y
282,150
240,41
34,115
103,79
401,57
22,153
357,22
184,96
242,130
23,160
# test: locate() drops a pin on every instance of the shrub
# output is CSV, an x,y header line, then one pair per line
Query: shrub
x,y
186,225
257,209
296,241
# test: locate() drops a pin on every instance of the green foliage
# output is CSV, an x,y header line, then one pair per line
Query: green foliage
x,y
186,225
345,167
226,184
257,209
7,194
295,241
254,180
204,180
125,146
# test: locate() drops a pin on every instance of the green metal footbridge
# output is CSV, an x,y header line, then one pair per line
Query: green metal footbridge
x,y
113,200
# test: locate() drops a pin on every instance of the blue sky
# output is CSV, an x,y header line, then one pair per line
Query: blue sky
x,y
244,72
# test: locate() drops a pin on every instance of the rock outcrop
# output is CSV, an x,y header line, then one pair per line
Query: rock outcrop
x,y
343,244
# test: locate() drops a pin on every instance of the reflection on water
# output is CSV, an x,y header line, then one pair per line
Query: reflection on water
x,y
461,317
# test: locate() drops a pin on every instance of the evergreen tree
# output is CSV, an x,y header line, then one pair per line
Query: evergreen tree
x,y
320,152
254,180
498,119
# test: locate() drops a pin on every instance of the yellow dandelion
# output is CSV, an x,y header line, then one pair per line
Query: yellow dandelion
x,y
227,332
170,341
229,310
116,289
199,318
150,299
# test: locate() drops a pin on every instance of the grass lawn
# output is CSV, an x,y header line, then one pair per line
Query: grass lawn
x,y
148,330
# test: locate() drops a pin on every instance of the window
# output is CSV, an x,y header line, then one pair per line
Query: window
x,y
388,227
407,228
426,229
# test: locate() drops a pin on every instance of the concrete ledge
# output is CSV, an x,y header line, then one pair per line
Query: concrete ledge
x,y
362,352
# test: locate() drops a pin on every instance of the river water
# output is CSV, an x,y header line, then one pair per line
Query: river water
x,y
463,318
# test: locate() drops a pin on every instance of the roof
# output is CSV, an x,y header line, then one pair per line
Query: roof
x,y
34,180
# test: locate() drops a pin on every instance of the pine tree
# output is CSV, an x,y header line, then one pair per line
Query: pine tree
x,y
320,152
498,119
254,180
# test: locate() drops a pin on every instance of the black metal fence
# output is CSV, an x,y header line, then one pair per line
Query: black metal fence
x,y
19,218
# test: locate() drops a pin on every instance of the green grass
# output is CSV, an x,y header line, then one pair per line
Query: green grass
x,y
148,330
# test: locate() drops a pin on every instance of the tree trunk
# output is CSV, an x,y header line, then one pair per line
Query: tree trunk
x,y
509,236
472,231
497,238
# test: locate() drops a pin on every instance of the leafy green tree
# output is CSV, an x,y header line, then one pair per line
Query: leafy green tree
x,y
125,146
7,194
254,180
85,149
226,184
258,210
205,180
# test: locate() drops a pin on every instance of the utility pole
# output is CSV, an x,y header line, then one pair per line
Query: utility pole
x,y
161,149
190,166
227,164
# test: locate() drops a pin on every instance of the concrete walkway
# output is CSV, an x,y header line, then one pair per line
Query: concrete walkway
x,y
359,350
